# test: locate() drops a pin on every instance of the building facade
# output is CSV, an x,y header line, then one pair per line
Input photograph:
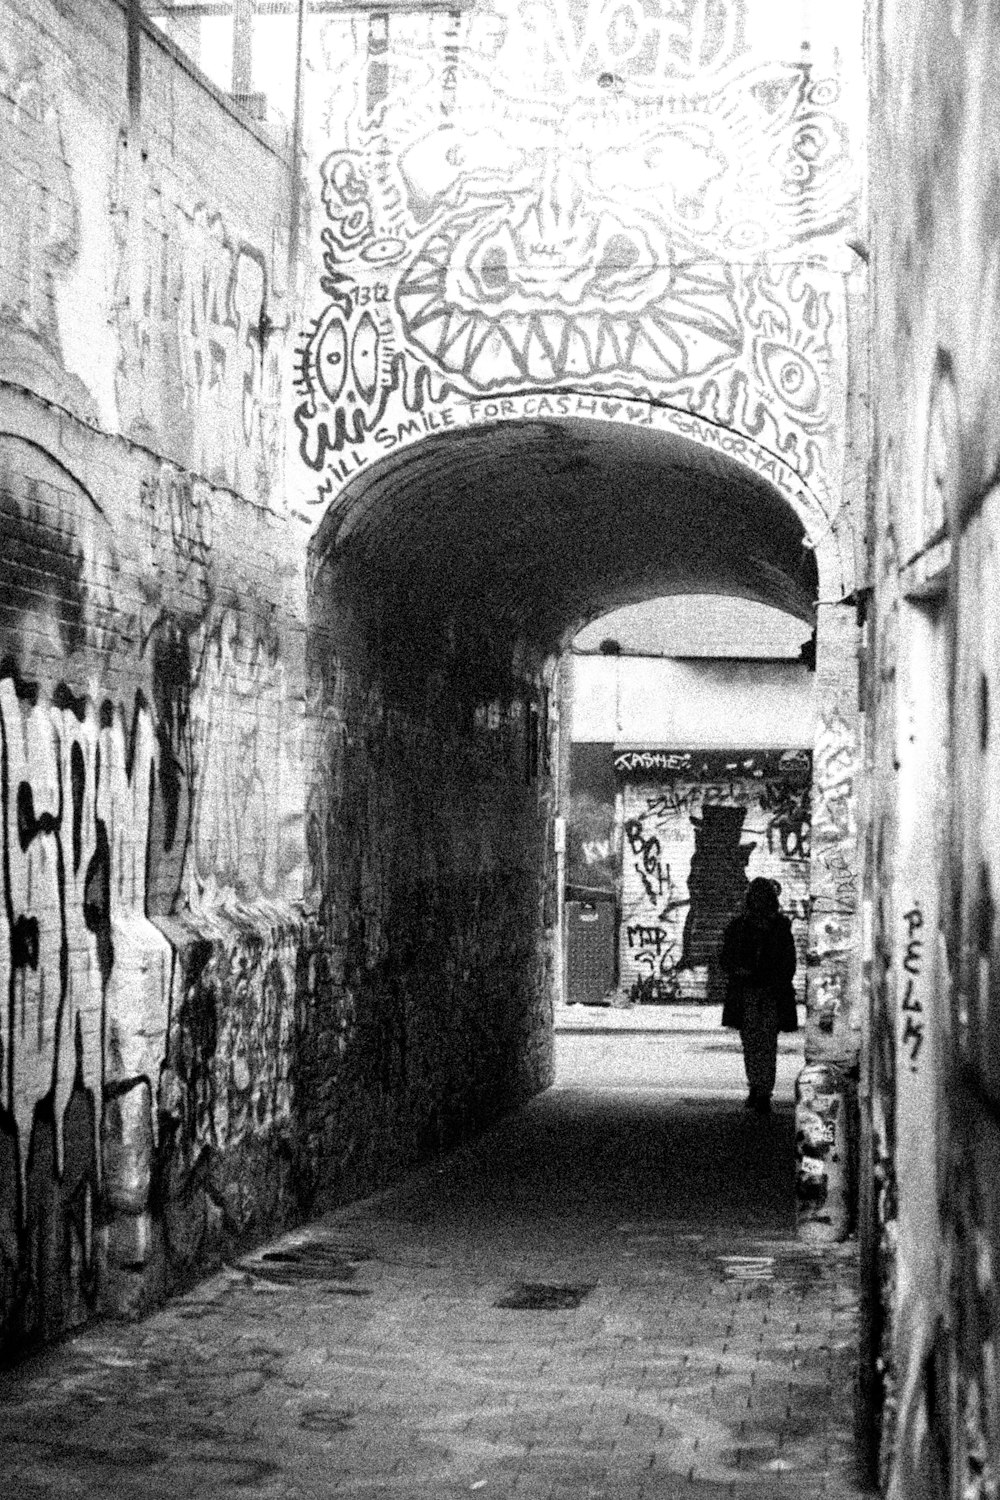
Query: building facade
x,y
672,835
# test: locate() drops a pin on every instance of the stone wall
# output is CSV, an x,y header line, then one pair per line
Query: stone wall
x,y
932,1207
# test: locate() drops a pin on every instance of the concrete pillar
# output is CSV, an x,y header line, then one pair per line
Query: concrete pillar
x,y
561,769
823,1137
825,1094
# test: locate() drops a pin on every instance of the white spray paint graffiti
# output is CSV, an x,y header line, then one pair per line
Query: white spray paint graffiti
x,y
195,319
497,214
836,766
79,962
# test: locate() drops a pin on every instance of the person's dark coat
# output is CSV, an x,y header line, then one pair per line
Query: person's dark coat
x,y
759,955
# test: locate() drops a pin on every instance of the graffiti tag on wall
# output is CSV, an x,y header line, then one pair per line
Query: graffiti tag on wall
x,y
691,848
156,798
200,349
76,785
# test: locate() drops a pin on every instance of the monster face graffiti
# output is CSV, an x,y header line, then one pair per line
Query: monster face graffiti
x,y
532,217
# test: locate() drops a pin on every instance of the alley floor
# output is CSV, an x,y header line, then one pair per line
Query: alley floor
x,y
602,1297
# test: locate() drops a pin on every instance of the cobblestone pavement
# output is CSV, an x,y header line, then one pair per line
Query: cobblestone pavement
x,y
675,1342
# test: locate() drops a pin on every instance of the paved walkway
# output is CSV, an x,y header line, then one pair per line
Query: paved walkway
x,y
642,1018
676,1341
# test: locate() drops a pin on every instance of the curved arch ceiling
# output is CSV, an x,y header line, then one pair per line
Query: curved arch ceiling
x,y
527,529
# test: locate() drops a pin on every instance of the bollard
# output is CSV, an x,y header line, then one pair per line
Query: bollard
x,y
821,1153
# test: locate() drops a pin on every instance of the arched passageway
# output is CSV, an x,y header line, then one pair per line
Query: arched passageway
x,y
527,528
443,582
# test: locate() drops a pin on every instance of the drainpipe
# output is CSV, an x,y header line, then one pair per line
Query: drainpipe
x,y
295,207
243,12
564,682
133,32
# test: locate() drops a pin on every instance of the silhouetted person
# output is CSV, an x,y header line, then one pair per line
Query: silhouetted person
x,y
758,957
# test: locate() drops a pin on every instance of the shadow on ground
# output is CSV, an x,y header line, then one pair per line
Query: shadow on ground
x,y
600,1298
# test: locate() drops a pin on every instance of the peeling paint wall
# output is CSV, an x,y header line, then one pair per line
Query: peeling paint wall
x,y
932,1230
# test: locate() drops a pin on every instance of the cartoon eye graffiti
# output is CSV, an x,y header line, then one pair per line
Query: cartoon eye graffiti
x,y
345,180
384,251
824,92
493,269
490,265
810,142
364,356
342,361
797,171
331,356
619,253
790,374
748,234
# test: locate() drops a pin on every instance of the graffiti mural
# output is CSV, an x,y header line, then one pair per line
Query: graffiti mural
x,y
148,954
200,346
698,827
40,223
83,974
150,636
592,197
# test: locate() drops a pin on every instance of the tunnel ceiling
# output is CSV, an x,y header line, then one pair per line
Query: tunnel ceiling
x,y
529,529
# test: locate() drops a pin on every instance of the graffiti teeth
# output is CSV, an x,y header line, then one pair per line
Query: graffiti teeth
x,y
495,361
417,308
578,361
539,360
704,349
691,330
659,353
431,332
553,329
454,348
614,346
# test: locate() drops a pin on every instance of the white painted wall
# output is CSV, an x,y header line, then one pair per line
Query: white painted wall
x,y
693,703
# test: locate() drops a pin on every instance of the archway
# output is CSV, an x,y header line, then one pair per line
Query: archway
x,y
443,582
